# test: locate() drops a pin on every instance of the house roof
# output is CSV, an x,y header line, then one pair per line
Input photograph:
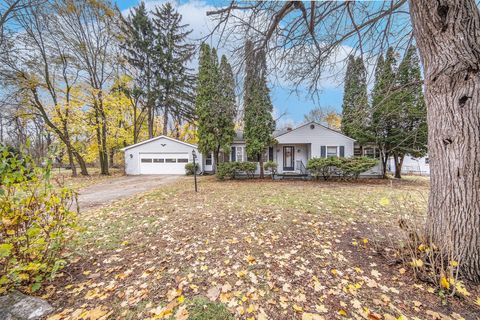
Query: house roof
x,y
157,138
308,123
277,133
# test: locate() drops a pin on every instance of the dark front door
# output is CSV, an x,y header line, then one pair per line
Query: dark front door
x,y
288,158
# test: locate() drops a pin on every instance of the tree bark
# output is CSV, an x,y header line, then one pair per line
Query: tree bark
x,y
398,159
447,33
384,159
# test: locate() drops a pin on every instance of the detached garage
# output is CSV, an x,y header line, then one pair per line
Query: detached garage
x,y
160,155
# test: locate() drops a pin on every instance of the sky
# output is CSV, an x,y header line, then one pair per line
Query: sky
x,y
289,106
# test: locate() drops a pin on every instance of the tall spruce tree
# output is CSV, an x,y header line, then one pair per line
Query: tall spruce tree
x,y
173,52
138,44
215,104
410,135
355,109
385,107
258,120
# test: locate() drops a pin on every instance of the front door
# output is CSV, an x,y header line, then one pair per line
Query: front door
x,y
288,158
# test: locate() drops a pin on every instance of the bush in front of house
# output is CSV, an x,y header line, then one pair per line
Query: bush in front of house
x,y
226,170
325,168
190,169
35,218
231,170
328,168
353,167
248,168
270,166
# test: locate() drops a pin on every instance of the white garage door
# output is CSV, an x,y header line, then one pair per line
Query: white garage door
x,y
163,163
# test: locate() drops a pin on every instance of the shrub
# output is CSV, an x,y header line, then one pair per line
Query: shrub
x,y
324,167
339,167
353,167
270,166
15,167
226,170
248,167
190,169
231,169
34,219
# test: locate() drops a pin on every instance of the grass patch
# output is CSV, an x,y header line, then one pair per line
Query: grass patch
x,y
203,309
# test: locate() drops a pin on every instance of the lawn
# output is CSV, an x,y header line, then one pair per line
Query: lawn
x,y
250,250
64,177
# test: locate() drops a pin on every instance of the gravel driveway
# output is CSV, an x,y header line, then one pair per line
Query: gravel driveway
x,y
121,187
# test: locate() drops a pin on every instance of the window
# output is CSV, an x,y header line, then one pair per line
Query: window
x,y
427,160
208,161
369,152
237,154
182,160
357,151
158,160
170,160
332,152
145,160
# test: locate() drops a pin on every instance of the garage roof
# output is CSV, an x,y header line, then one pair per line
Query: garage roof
x,y
157,138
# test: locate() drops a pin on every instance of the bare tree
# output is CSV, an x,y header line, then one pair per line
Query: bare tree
x,y
302,36
89,31
41,70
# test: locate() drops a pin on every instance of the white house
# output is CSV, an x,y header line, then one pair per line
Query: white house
x,y
292,150
412,165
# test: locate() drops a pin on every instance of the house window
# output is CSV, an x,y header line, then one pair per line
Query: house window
x,y
332,152
427,160
369,152
208,161
239,154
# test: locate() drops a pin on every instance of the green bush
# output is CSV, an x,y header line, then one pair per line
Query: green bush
x,y
248,168
35,217
15,167
270,166
226,170
324,167
190,169
339,167
232,169
353,167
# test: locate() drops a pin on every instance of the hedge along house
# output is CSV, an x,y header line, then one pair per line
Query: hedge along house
x,y
291,152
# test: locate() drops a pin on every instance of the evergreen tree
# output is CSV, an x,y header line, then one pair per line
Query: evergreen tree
x,y
173,52
385,106
410,136
139,51
215,104
259,124
355,109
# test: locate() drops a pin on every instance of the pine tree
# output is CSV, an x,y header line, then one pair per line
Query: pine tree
x,y
258,120
173,52
355,109
215,104
385,106
138,49
411,129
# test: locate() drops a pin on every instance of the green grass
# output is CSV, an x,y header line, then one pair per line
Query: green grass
x,y
203,309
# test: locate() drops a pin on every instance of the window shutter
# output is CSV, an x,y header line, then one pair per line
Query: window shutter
x,y
233,154
323,151
342,151
270,153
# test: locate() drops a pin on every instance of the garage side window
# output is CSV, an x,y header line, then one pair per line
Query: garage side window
x,y
170,160
158,160
146,160
182,160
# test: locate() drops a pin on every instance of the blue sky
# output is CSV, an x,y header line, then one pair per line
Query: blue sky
x,y
291,106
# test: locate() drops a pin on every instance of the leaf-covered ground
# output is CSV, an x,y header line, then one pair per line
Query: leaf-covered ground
x,y
249,250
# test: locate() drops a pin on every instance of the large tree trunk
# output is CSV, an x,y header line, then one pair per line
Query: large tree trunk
x,y
398,159
448,38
